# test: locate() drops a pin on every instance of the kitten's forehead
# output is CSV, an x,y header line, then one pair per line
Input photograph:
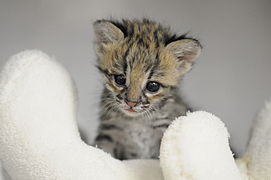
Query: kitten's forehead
x,y
139,54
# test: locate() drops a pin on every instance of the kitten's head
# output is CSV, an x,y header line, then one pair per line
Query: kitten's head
x,y
142,62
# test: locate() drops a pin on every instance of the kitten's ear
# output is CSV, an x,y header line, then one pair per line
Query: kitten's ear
x,y
106,32
186,51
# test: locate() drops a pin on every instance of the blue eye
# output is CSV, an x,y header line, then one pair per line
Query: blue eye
x,y
120,79
153,86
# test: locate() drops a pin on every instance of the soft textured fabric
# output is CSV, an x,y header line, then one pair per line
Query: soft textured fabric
x,y
199,142
39,138
258,155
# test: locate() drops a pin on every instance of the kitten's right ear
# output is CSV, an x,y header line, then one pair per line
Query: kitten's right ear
x,y
106,32
186,52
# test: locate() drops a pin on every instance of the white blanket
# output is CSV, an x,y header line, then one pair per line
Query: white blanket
x,y
39,138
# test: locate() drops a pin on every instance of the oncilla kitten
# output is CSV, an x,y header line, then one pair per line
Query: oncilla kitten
x,y
142,63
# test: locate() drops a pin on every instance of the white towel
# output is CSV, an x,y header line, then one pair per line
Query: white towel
x,y
39,138
200,144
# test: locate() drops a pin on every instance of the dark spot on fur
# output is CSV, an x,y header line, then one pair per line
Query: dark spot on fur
x,y
105,137
109,127
119,97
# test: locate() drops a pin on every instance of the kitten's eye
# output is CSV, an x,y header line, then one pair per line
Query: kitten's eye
x,y
120,79
153,86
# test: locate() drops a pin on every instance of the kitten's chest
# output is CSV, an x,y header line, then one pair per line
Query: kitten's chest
x,y
142,138
140,131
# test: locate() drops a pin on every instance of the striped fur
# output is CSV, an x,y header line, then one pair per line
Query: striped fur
x,y
141,51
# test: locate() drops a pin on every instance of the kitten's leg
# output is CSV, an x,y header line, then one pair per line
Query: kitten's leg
x,y
109,138
159,126
106,143
114,140
112,146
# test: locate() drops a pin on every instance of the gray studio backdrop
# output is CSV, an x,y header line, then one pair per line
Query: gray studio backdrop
x,y
231,78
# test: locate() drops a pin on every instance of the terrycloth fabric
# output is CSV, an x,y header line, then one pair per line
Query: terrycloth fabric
x,y
39,138
257,159
200,141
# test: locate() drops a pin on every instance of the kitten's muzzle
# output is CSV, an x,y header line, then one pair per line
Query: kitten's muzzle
x,y
131,104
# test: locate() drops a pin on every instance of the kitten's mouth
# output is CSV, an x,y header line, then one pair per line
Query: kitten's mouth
x,y
131,110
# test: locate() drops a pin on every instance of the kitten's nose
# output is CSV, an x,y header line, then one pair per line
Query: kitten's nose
x,y
131,104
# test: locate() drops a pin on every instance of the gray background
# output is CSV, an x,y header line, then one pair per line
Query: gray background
x,y
231,78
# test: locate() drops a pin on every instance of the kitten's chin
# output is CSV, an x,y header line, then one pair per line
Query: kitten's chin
x,y
131,112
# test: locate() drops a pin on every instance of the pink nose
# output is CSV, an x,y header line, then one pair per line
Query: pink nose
x,y
131,104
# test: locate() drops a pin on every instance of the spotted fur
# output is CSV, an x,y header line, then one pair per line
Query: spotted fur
x,y
142,51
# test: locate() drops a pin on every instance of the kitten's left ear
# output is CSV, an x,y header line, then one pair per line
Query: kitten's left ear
x,y
106,32
186,51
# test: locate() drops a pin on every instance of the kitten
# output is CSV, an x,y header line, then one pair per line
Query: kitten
x,y
142,63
